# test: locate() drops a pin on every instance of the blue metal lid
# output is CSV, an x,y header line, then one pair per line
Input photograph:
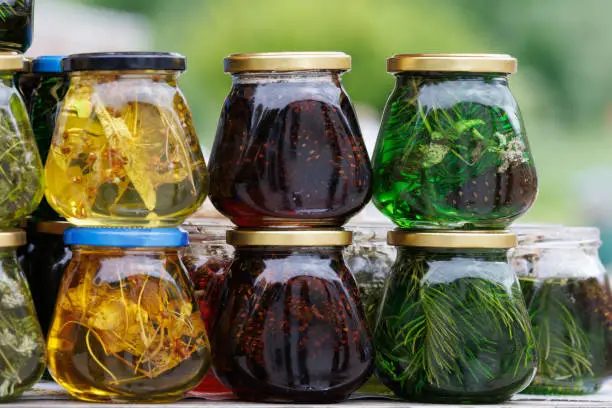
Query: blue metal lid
x,y
127,237
48,64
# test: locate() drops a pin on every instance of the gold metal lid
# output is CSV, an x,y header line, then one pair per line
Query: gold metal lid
x,y
287,61
51,227
11,61
468,239
12,237
309,238
501,63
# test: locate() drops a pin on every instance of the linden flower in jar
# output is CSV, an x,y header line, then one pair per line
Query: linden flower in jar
x,y
125,150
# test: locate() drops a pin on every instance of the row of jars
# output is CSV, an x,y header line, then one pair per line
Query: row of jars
x,y
288,313
452,151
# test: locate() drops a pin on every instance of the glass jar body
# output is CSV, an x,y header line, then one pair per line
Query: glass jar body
x,y
16,25
125,152
289,152
291,327
452,153
569,299
45,100
207,260
453,327
126,327
21,184
22,346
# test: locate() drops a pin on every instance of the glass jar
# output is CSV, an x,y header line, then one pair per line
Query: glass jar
x,y
126,326
453,326
26,82
45,258
21,171
125,152
46,98
288,150
22,346
452,151
291,327
568,296
207,259
16,23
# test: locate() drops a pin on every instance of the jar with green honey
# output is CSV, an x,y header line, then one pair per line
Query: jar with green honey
x,y
125,151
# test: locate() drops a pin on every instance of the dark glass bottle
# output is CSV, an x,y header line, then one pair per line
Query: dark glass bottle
x,y
452,150
291,326
288,150
453,326
26,82
16,22
44,108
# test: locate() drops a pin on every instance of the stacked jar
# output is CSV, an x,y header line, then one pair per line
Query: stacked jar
x,y
125,167
22,350
453,169
289,168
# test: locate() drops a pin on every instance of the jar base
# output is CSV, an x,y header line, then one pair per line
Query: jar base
x,y
126,222
563,387
104,397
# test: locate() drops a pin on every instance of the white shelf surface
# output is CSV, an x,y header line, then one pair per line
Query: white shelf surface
x,y
48,394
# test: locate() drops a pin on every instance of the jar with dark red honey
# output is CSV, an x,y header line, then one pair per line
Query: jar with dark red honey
x,y
291,327
288,150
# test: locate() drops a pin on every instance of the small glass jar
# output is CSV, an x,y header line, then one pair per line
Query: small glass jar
x,y
291,327
46,98
207,259
288,150
22,346
45,257
452,151
16,23
453,326
569,299
126,326
21,171
125,152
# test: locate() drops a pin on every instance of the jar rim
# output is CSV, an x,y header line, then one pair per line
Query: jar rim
x,y
467,240
287,61
125,61
286,238
11,61
549,236
498,63
12,237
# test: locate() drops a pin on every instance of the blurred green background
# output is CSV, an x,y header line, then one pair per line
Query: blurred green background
x,y
562,86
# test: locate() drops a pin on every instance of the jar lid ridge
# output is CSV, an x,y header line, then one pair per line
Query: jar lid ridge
x,y
307,238
125,61
287,61
127,237
468,239
12,237
11,61
492,63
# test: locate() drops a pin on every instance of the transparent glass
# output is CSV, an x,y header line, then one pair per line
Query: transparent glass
x,y
207,260
453,327
16,24
21,171
45,100
452,153
125,152
569,297
22,347
291,327
289,152
126,327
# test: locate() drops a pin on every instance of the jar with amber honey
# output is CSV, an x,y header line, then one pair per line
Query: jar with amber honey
x,y
126,326
288,150
125,152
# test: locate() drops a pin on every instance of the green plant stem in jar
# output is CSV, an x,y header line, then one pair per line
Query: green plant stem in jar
x,y
453,327
452,152
21,171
